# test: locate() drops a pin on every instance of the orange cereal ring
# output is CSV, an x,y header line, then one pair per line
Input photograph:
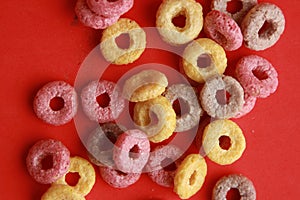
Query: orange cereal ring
x,y
145,85
86,172
170,9
119,56
190,176
211,145
165,114
202,59
59,192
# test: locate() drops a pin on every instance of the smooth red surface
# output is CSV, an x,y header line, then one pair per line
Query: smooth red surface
x,y
41,41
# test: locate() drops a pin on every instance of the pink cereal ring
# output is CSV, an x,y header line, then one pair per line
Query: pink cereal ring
x,y
118,179
52,90
223,29
131,151
90,18
110,8
92,108
248,105
48,149
160,158
257,76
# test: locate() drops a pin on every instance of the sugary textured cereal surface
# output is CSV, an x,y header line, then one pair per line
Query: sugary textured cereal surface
x,y
59,155
210,141
165,114
254,21
90,18
243,184
86,172
221,5
215,53
172,8
190,176
137,44
110,8
224,30
61,192
56,89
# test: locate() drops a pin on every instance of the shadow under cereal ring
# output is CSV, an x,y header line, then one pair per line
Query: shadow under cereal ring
x,y
137,44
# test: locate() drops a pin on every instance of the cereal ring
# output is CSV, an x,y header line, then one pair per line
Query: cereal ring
x,y
224,30
186,93
155,165
248,105
190,176
263,26
100,144
170,9
86,172
42,151
59,192
257,76
213,105
118,179
52,90
240,182
119,56
210,141
110,8
91,107
91,19
145,85
162,108
202,59
221,5
131,151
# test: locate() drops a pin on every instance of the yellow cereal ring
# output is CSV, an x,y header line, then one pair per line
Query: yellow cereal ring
x,y
145,85
208,54
211,146
119,56
190,176
86,172
59,192
166,116
170,9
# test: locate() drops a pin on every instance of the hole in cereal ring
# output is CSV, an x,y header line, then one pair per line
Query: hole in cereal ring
x,y
134,152
266,30
204,60
57,103
180,107
233,194
224,142
222,97
72,178
47,162
123,41
234,6
110,0
103,100
179,20
259,74
193,178
120,173
153,118
168,164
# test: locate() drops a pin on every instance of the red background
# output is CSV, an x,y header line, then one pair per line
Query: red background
x,y
41,41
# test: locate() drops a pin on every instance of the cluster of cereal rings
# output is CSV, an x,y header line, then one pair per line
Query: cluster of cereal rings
x,y
204,61
48,162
